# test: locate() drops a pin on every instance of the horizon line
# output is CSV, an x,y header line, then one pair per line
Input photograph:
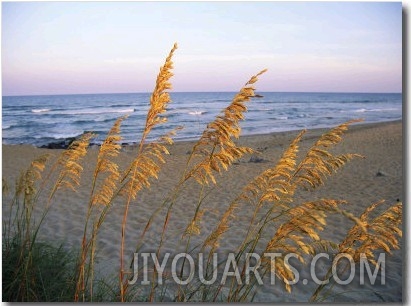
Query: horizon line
x,y
171,92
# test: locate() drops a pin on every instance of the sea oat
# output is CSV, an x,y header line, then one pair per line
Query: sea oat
x,y
105,164
70,161
146,163
194,227
298,232
160,98
319,162
217,143
381,233
213,239
273,184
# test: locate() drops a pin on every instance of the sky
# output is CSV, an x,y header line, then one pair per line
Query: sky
x,y
115,47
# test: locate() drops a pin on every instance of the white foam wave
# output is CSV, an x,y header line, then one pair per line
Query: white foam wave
x,y
60,135
383,109
265,109
363,110
89,111
41,110
196,113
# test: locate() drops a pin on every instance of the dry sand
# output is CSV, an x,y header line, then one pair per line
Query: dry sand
x,y
361,182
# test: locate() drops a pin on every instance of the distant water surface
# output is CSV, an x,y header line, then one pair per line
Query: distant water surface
x,y
40,120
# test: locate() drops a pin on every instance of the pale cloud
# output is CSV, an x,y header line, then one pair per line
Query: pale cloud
x,y
192,58
133,60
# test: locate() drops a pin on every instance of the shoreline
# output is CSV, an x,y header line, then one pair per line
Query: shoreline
x,y
64,143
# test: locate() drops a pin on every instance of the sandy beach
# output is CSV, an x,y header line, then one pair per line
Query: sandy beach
x,y
361,182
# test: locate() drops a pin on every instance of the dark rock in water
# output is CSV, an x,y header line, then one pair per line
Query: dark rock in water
x,y
62,144
66,142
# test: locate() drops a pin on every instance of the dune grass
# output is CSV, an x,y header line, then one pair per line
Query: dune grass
x,y
36,271
43,273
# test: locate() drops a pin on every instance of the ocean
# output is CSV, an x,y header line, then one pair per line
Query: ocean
x,y
41,120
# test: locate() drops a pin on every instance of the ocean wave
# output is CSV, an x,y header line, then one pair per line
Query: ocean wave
x,y
89,111
197,113
383,109
103,111
95,120
221,100
40,110
264,109
58,136
363,110
120,105
67,116
279,118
